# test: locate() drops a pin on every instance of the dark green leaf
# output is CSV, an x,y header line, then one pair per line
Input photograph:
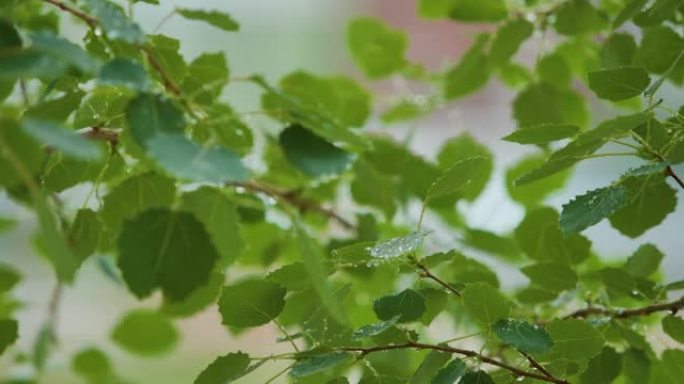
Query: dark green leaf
x,y
508,39
398,246
312,154
542,133
224,369
84,233
575,339
462,147
670,369
478,10
409,305
659,48
619,83
145,333
476,377
217,19
471,73
115,22
429,367
168,250
374,329
319,363
9,333
603,368
373,188
586,210
58,137
9,277
377,49
555,277
674,327
456,178
578,17
251,303
618,51
650,200
206,77
449,374
125,73
148,115
645,261
165,50
523,336
536,192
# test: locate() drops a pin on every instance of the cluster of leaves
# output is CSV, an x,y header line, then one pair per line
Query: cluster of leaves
x,y
172,206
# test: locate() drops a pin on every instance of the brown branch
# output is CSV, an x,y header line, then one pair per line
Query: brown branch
x,y
91,21
464,352
424,272
670,172
673,306
166,79
535,364
110,135
295,200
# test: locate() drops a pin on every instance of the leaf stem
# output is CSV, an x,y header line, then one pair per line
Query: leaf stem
x,y
608,154
287,335
673,306
670,172
425,272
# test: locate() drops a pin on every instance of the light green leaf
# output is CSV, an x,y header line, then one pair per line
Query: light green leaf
x,y
92,365
619,83
373,188
575,339
462,147
148,115
374,329
220,218
60,138
224,369
491,243
603,368
509,37
56,110
251,303
114,21
408,304
165,50
646,169
536,192
145,333
552,276
188,160
125,73
645,261
435,9
650,200
449,374
54,242
630,10
429,367
9,333
478,10
198,299
217,19
206,77
84,233
398,246
471,73
318,363
578,17
293,277
554,69
456,178
542,133
312,154
617,281
670,369
9,277
659,48
674,327
163,249
586,210
543,103
485,303
523,336
377,49
476,377
618,51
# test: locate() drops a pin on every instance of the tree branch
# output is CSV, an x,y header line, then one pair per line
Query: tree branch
x,y
91,21
424,272
464,352
673,306
670,172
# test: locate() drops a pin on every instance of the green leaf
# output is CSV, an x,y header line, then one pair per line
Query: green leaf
x,y
543,103
669,370
125,73
57,137
145,333
435,9
314,261
373,188
84,233
9,277
187,160
575,339
293,277
398,246
471,73
462,147
318,363
578,17
523,336
645,261
659,48
114,21
554,69
647,169
650,200
636,366
251,303
376,49
535,192
619,83
491,243
206,77
478,10
485,303
456,178
542,133
429,367
603,368
586,210
312,154
92,365
217,19
374,329
552,276
449,374
509,37
540,237
9,333
56,110
618,51
148,114
617,281
674,327
104,106
476,377
163,249
408,304
198,299
54,242
224,369
630,10
220,218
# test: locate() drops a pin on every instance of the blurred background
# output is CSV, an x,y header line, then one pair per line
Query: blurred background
x,y
277,37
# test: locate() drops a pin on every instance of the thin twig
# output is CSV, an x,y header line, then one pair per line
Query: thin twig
x,y
464,352
535,364
673,306
91,21
424,272
294,199
670,172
